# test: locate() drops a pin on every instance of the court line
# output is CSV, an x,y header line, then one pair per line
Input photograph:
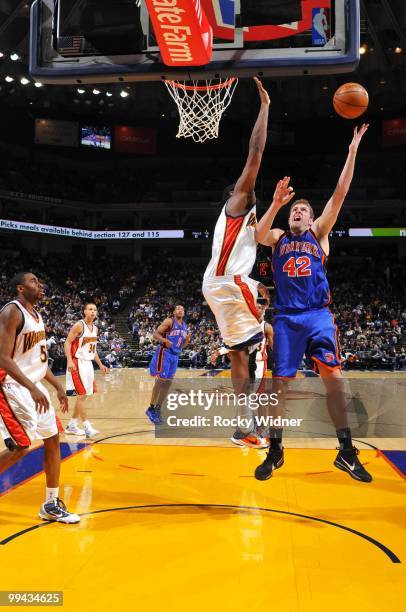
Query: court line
x,y
394,558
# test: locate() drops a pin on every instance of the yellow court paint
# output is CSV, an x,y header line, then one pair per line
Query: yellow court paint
x,y
189,528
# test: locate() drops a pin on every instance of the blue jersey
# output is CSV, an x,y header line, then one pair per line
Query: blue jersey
x,y
177,335
299,271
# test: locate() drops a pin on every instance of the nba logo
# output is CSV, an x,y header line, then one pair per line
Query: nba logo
x,y
321,31
224,11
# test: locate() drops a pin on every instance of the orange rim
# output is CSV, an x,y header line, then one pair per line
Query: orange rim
x,y
180,85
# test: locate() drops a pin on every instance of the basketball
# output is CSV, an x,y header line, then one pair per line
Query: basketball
x,y
350,100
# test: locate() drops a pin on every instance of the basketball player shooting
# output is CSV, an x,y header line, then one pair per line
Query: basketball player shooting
x,y
229,291
303,323
25,405
173,338
81,351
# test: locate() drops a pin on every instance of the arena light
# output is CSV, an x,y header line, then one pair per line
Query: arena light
x,y
37,84
14,57
363,49
24,81
96,92
1,54
398,50
9,79
124,93
108,94
80,91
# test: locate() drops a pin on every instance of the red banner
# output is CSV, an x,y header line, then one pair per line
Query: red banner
x,y
135,140
182,30
394,132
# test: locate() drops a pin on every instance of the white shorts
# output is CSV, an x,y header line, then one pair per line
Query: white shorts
x,y
20,418
232,300
81,382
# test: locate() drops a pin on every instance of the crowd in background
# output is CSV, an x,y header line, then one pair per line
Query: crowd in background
x,y
369,307
69,283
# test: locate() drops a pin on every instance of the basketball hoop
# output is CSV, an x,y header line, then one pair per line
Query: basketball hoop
x,y
201,106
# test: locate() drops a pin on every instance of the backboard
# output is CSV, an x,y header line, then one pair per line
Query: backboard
x,y
64,48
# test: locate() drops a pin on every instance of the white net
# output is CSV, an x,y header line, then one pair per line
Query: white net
x,y
201,106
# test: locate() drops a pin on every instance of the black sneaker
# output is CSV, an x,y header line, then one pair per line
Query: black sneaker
x,y
348,461
273,461
154,415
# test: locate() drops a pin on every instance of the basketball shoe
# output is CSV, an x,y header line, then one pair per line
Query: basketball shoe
x,y
347,461
273,461
90,431
55,510
251,439
74,430
154,415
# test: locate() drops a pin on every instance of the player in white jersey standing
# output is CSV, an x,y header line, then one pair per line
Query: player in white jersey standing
x,y
81,351
257,367
227,287
25,407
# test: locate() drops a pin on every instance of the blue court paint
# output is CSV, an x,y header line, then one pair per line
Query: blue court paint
x,y
398,458
32,464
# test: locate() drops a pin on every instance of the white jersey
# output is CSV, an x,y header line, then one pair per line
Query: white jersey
x,y
30,347
234,248
84,347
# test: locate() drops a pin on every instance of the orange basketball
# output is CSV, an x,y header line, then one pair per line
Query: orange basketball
x,y
350,100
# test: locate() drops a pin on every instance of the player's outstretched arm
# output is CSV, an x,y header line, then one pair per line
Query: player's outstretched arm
x,y
74,333
243,192
159,333
282,196
325,223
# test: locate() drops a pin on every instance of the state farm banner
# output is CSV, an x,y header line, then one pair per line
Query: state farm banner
x,y
135,140
394,132
182,30
57,133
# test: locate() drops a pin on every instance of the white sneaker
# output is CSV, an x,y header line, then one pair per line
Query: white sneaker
x,y
55,510
74,430
90,432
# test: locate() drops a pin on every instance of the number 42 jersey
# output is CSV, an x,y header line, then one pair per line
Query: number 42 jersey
x,y
299,271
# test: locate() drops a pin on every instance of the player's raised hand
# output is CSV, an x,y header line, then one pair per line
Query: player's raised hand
x,y
283,192
263,94
358,134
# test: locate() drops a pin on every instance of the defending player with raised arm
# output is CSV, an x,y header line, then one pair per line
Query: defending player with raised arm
x,y
303,323
229,291
25,406
81,351
173,337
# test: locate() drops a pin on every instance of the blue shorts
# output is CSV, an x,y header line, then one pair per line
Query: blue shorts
x,y
312,333
163,363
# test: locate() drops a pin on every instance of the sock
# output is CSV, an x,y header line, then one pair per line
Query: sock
x,y
275,438
344,438
51,493
87,424
73,422
157,406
